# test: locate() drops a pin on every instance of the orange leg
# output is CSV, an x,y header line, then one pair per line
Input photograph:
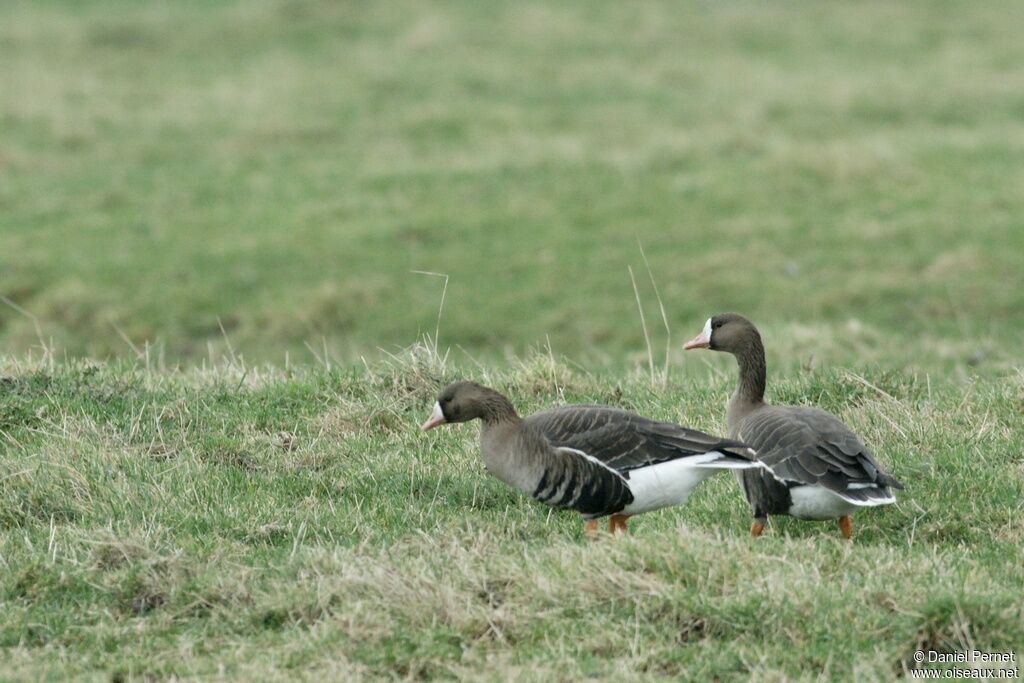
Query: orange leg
x,y
590,529
756,529
846,526
617,523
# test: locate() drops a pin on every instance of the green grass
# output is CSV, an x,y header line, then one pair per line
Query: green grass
x,y
209,217
282,165
265,524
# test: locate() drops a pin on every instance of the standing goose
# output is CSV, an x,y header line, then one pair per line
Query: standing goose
x,y
819,469
595,460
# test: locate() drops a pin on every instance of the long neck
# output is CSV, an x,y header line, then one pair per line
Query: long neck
x,y
495,409
750,358
749,394
511,450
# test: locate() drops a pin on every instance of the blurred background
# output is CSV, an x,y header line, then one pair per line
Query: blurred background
x,y
849,175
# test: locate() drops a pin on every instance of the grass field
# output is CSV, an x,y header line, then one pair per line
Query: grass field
x,y
210,381
263,524
283,165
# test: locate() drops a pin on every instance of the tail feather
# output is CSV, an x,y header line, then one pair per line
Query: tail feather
x,y
890,481
727,460
867,494
674,437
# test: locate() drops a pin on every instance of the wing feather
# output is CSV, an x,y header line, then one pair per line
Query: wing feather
x,y
805,445
625,441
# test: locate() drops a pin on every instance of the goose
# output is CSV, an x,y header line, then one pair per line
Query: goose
x,y
818,469
596,460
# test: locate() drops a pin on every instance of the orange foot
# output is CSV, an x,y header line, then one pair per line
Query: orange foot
x,y
846,526
617,523
590,529
756,529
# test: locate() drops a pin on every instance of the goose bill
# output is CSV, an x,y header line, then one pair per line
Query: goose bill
x,y
436,418
702,340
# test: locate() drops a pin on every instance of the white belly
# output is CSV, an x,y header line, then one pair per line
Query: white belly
x,y
817,502
664,485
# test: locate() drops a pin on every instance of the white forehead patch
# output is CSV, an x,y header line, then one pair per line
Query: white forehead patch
x,y
707,330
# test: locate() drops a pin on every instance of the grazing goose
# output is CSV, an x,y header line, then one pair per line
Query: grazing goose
x,y
819,469
595,460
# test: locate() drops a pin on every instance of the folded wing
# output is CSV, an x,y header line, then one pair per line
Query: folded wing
x,y
625,441
808,446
